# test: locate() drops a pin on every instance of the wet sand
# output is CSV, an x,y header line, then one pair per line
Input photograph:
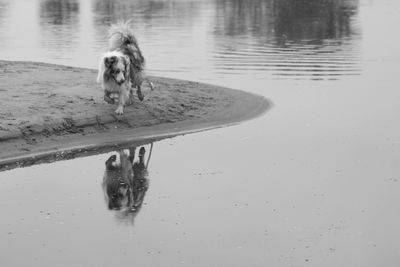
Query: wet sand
x,y
50,108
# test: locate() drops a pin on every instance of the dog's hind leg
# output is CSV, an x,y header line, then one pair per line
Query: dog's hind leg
x,y
142,152
140,93
150,84
131,98
132,154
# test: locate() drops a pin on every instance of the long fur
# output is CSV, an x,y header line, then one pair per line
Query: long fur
x,y
123,57
119,35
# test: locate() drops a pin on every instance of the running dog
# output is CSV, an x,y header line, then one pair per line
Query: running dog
x,y
122,68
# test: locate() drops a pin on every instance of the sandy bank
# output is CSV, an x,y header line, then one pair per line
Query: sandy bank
x,y
49,108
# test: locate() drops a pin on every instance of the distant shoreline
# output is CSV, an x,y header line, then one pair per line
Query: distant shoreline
x,y
47,109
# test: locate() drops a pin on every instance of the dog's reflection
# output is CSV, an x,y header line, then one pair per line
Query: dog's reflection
x,y
126,181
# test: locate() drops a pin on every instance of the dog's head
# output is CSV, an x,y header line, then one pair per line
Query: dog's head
x,y
115,185
114,66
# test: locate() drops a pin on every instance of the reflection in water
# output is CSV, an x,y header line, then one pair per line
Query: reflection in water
x,y
170,17
59,12
3,9
197,39
290,38
59,21
125,182
236,17
314,20
4,5
144,12
291,20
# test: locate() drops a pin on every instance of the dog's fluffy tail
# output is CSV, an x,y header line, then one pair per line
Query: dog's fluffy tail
x,y
120,35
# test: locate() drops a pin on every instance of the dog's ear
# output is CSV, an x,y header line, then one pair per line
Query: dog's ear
x,y
109,61
105,64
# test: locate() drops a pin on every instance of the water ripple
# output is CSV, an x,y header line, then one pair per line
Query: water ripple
x,y
196,39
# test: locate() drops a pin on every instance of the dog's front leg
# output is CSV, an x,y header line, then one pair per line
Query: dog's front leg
x,y
123,98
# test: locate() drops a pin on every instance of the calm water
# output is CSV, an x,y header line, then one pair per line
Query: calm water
x,y
314,182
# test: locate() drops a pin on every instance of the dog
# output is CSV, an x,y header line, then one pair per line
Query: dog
x,y
125,183
122,68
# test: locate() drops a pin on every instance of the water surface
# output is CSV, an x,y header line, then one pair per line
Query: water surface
x,y
314,182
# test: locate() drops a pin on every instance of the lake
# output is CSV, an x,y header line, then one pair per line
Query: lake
x,y
313,182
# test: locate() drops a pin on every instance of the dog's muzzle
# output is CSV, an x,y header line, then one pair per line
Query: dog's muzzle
x,y
119,82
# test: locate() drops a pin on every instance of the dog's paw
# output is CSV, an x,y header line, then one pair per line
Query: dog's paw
x,y
151,86
119,110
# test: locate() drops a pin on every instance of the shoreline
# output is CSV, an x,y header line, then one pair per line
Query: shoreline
x,y
51,110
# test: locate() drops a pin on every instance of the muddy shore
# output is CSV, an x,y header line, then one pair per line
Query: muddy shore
x,y
48,109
